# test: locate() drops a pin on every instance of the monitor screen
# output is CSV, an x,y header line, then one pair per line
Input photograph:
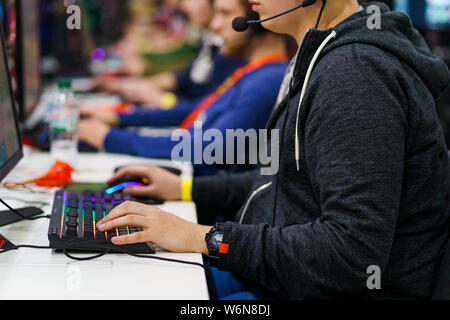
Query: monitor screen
x,y
437,14
415,9
10,144
426,14
28,56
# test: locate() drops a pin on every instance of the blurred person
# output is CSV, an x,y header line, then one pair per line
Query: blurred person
x,y
244,101
206,73
156,27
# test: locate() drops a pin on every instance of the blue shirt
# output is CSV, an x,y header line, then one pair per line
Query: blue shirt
x,y
247,105
223,67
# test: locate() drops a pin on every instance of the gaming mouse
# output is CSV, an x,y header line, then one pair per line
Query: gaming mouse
x,y
126,182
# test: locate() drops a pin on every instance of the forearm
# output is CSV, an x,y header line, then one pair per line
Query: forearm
x,y
198,243
157,118
126,142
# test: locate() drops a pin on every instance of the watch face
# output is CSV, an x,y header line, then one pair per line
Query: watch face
x,y
218,238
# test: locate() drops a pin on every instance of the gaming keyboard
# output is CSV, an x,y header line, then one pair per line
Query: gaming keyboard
x,y
74,218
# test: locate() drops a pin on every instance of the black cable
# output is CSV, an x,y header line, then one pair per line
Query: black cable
x,y
162,259
25,247
21,215
108,250
39,203
87,258
324,3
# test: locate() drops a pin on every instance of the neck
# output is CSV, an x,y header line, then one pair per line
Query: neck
x,y
335,12
264,45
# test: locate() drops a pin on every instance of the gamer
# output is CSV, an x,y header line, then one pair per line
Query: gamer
x,y
363,176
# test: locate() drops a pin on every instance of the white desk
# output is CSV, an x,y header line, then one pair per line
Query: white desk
x,y
36,274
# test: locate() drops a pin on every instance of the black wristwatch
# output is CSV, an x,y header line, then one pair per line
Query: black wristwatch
x,y
214,241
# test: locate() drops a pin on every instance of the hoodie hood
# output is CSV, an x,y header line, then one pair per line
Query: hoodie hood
x,y
397,36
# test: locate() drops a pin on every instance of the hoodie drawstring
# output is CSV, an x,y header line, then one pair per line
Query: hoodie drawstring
x,y
332,35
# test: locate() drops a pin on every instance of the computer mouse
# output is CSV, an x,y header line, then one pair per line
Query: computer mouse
x,y
126,182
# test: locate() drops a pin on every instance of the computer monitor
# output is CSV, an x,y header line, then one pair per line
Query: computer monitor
x,y
437,14
28,56
426,14
10,142
415,9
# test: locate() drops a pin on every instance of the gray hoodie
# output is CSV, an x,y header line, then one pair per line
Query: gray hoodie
x,y
363,183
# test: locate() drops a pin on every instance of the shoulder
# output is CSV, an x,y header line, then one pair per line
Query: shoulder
x,y
358,80
356,61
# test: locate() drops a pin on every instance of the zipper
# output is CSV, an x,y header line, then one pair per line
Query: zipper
x,y
254,194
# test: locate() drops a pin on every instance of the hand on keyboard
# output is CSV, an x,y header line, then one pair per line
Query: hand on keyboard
x,y
158,227
74,219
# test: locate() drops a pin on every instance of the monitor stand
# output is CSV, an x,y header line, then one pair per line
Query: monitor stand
x,y
9,217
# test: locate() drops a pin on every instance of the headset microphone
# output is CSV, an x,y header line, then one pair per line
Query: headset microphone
x,y
241,24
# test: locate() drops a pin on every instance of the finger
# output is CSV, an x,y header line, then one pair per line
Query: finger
x,y
123,210
137,237
140,191
130,171
130,220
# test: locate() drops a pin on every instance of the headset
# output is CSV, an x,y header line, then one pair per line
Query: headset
x,y
256,28
241,24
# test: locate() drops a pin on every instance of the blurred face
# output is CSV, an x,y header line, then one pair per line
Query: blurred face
x,y
224,13
199,12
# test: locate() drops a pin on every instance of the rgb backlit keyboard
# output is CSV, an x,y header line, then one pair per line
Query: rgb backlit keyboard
x,y
74,218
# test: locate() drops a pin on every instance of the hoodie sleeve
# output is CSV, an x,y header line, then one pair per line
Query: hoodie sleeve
x,y
225,192
354,150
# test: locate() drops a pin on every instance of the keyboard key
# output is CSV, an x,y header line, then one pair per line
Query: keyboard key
x,y
72,212
133,230
89,227
71,232
73,196
98,216
73,203
72,221
123,231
